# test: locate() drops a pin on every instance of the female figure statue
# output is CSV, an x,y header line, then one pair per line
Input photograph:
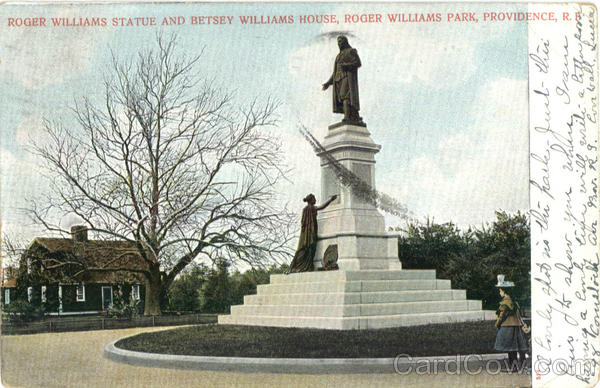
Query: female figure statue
x,y
303,259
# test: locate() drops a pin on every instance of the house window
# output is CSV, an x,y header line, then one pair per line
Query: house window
x,y
81,292
29,293
60,304
135,292
7,296
43,294
29,265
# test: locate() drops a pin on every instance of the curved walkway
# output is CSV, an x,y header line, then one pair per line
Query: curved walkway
x,y
75,360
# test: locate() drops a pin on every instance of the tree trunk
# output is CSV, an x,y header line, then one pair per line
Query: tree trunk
x,y
152,300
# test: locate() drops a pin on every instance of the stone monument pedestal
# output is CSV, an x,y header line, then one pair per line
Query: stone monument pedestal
x,y
350,300
370,290
350,223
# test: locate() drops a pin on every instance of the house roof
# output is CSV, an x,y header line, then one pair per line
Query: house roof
x,y
9,276
103,260
9,283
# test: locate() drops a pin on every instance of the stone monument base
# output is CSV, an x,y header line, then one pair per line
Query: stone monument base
x,y
348,300
370,290
361,252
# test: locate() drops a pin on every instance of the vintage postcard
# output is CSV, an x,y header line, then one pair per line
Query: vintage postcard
x,y
299,194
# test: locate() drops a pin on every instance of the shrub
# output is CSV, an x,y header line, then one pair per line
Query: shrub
x,y
22,311
472,259
217,295
185,291
215,290
124,308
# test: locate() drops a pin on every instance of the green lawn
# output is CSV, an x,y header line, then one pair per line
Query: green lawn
x,y
254,341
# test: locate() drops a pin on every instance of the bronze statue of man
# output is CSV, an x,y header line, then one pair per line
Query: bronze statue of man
x,y
345,82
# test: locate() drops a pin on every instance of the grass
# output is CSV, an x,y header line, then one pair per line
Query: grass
x,y
277,342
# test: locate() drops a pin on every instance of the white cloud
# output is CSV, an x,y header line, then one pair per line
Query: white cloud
x,y
438,64
20,181
38,59
17,171
31,128
310,105
479,170
441,56
462,177
384,71
473,172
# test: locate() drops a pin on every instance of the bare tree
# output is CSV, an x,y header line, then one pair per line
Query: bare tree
x,y
168,161
12,246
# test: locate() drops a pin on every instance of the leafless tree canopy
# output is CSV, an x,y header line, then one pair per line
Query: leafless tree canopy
x,y
171,162
12,247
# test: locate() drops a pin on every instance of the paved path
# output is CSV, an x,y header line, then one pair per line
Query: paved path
x,y
75,360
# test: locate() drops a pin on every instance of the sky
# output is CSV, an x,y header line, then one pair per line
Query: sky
x,y
446,101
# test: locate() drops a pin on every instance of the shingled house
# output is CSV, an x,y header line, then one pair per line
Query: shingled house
x,y
76,275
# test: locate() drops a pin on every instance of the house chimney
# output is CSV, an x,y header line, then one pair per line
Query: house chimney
x,y
79,233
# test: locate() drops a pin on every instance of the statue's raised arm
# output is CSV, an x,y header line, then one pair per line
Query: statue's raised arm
x,y
345,82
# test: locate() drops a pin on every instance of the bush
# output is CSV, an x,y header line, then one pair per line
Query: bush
x,y
430,246
184,293
124,308
221,290
215,290
472,259
22,311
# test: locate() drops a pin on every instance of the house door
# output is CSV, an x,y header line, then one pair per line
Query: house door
x,y
106,297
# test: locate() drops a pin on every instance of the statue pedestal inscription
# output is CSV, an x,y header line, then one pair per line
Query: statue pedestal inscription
x,y
350,222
